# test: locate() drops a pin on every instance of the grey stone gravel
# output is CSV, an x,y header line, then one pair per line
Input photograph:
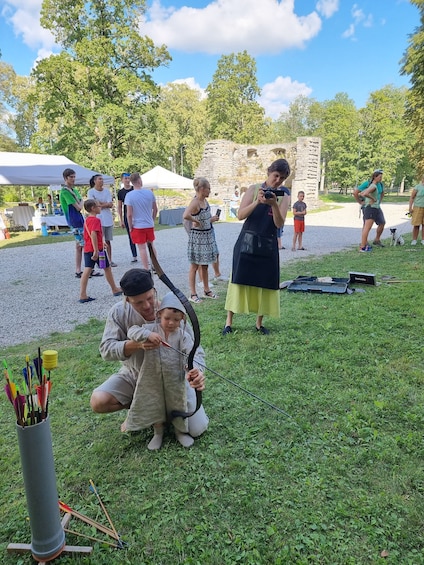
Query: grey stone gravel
x,y
39,292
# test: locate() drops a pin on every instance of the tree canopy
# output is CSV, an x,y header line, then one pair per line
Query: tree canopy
x,y
413,65
97,103
97,93
233,110
7,79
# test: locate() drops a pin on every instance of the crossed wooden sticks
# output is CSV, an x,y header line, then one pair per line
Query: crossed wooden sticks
x,y
111,532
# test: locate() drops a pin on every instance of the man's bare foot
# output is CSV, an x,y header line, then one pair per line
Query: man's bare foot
x,y
124,426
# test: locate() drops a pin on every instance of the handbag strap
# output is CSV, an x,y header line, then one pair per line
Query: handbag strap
x,y
89,234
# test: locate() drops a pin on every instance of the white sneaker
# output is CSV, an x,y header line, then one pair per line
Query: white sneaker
x,y
414,242
221,278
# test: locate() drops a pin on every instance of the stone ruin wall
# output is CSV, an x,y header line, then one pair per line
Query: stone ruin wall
x,y
228,165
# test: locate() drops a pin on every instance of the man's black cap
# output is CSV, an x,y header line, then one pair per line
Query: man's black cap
x,y
136,281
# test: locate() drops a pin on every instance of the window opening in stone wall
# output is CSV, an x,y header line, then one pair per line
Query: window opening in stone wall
x,y
279,152
251,153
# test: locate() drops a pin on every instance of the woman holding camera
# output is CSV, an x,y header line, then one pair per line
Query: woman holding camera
x,y
202,247
255,278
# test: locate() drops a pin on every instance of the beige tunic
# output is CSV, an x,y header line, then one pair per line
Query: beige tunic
x,y
161,384
121,317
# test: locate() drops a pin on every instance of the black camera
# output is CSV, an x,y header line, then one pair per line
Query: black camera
x,y
277,191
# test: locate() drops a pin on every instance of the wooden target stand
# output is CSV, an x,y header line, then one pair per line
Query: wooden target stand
x,y
111,532
67,549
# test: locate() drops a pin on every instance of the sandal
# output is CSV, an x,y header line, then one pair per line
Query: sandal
x,y
194,298
210,294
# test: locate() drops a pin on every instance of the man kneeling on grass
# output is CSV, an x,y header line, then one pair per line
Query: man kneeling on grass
x,y
119,391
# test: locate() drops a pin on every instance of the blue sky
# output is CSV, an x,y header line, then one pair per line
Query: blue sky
x,y
315,48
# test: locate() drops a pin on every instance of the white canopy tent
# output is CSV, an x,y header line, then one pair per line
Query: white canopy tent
x,y
158,177
32,169
41,170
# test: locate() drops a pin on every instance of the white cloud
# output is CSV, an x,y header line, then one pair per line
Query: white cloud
x,y
191,83
359,18
327,7
275,98
226,26
357,13
277,95
24,16
350,32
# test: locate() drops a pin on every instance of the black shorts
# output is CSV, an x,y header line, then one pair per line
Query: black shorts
x,y
375,214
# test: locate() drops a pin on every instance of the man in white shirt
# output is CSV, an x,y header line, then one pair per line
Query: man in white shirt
x,y
104,198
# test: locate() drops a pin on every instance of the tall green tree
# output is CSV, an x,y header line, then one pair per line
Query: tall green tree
x,y
24,119
97,94
338,127
232,106
297,122
386,141
8,78
183,127
413,65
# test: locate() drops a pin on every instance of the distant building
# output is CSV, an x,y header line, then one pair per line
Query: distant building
x,y
228,165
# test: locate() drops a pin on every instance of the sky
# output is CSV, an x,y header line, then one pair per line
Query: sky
x,y
315,48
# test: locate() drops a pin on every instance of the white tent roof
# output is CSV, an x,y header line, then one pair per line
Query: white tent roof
x,y
41,170
159,177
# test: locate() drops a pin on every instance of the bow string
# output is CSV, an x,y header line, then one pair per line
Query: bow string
x,y
194,322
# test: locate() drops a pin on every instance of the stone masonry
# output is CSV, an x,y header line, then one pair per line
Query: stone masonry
x,y
228,165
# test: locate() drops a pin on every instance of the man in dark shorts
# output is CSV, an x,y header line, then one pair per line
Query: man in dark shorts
x,y
125,189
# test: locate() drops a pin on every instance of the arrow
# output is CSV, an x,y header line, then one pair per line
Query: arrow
x,y
65,508
226,379
73,532
104,509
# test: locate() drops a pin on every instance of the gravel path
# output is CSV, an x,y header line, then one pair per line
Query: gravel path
x,y
39,292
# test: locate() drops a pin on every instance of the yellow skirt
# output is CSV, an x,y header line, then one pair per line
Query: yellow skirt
x,y
242,299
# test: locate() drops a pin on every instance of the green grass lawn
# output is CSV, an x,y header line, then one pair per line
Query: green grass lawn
x,y
337,481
